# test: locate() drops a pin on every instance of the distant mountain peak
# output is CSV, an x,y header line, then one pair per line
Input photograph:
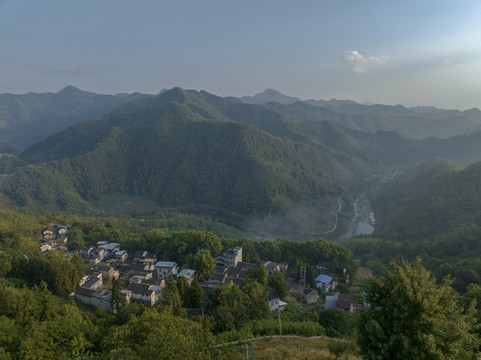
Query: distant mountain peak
x,y
270,95
70,89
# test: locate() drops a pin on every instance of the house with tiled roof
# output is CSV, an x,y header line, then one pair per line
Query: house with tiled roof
x,y
145,294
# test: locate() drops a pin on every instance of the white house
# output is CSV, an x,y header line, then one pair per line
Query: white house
x,y
166,269
188,274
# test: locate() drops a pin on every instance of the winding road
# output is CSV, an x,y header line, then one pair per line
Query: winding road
x,y
337,211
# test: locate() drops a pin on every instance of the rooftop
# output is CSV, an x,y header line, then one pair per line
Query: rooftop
x,y
325,279
165,264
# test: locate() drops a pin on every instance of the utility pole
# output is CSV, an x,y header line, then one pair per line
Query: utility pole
x,y
280,326
247,351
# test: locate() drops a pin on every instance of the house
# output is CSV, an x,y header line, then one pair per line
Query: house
x,y
102,298
45,247
102,244
325,283
106,270
99,298
273,300
188,274
94,281
97,256
244,266
343,302
85,251
331,301
83,294
272,267
311,296
166,269
232,257
283,266
218,278
346,303
121,256
142,256
137,272
112,248
48,233
145,294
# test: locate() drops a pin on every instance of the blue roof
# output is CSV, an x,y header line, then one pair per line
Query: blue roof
x,y
325,279
331,302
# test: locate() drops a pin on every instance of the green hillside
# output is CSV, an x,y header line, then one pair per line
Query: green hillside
x,y
199,153
177,154
429,200
25,119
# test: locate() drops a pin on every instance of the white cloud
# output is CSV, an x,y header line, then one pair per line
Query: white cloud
x,y
361,64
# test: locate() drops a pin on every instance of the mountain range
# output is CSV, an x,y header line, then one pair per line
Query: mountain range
x,y
194,150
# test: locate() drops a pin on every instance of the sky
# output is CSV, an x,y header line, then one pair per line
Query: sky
x,y
391,52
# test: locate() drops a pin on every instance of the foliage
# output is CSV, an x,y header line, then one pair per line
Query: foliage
x,y
154,335
278,284
234,306
118,299
413,317
203,262
337,322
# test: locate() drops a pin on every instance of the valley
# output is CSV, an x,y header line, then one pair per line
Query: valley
x,y
190,177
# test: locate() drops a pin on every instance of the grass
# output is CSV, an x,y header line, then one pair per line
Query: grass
x,y
289,348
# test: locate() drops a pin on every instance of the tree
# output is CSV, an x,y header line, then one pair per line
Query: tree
x,y
154,335
413,317
337,322
278,284
172,302
5,263
262,275
118,299
194,295
203,262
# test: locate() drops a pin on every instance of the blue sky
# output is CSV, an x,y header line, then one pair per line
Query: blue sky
x,y
411,52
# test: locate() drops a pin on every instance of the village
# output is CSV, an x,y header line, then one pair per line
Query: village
x,y
145,276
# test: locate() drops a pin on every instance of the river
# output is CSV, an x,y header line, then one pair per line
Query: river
x,y
363,221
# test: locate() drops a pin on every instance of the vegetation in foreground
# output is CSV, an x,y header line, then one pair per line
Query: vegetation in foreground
x,y
411,315
289,348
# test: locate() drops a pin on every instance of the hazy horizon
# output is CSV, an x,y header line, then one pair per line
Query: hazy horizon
x,y
409,53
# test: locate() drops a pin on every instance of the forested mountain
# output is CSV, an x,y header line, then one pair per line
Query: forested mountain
x,y
194,149
429,200
27,118
433,211
177,149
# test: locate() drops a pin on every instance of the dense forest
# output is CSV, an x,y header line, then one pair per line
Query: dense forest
x,y
246,166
